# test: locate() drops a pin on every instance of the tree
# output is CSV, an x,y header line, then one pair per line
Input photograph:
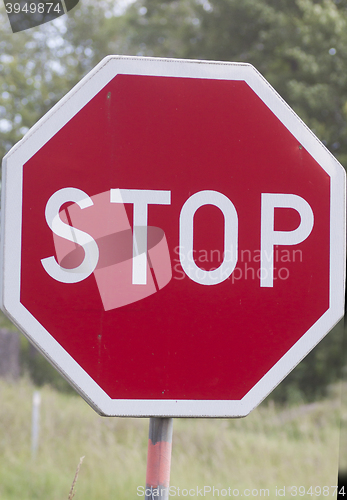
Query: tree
x,y
40,65
300,46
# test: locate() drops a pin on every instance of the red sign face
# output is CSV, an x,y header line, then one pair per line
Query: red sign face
x,y
176,239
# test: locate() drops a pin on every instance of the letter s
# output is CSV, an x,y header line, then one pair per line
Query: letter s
x,y
91,250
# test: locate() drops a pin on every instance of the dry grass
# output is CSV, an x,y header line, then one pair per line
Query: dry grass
x,y
272,447
72,489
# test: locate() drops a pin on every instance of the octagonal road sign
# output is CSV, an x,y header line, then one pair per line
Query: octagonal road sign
x,y
173,238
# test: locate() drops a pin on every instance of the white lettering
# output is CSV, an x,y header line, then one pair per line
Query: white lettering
x,y
140,198
270,237
195,273
91,250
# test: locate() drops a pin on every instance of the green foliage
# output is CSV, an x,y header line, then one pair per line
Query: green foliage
x,y
312,378
40,65
271,447
40,371
34,365
30,84
6,323
300,46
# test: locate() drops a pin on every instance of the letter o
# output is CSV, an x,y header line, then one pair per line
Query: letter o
x,y
186,245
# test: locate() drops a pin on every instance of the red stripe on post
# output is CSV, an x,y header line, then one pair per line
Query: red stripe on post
x,y
158,464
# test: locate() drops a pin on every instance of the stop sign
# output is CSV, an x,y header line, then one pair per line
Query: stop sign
x,y
173,238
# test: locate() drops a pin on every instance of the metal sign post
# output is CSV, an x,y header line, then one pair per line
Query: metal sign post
x,y
159,458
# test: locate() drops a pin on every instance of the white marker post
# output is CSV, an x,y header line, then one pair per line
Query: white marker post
x,y
35,423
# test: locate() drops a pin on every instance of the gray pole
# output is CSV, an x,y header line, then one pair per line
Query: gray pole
x,y
159,458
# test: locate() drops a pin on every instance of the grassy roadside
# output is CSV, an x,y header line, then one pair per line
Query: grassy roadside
x,y
272,447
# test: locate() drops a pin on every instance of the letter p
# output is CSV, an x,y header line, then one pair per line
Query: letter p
x,y
270,237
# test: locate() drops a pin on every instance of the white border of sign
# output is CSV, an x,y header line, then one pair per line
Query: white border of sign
x,y
11,230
